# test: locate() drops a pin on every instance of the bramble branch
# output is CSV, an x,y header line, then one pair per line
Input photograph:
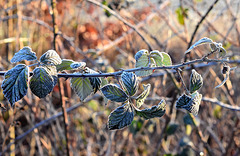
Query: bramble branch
x,y
144,68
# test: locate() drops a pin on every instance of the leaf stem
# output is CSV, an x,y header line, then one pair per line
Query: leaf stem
x,y
181,78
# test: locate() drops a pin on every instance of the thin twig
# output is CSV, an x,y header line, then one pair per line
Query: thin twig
x,y
210,25
121,38
200,22
183,83
111,137
53,13
200,136
60,82
44,24
159,11
211,132
231,140
65,116
15,6
234,18
123,20
167,122
227,106
44,122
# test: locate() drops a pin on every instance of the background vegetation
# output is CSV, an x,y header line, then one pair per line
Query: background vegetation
x,y
88,32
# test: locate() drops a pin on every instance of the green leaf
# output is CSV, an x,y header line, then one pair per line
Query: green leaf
x,y
25,53
183,101
114,93
82,86
65,65
161,58
166,59
78,65
121,117
107,13
15,84
141,98
95,81
191,104
204,40
52,70
172,128
143,60
51,57
155,111
130,82
196,81
43,81
181,14
158,57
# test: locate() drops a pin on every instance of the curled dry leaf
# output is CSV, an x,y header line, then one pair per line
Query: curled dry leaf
x,y
226,70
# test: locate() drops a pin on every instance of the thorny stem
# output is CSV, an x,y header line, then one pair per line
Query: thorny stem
x,y
144,68
147,68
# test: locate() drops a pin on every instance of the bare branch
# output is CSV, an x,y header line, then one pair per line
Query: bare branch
x,y
199,23
215,101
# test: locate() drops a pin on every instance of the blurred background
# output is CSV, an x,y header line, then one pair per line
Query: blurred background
x,y
90,33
